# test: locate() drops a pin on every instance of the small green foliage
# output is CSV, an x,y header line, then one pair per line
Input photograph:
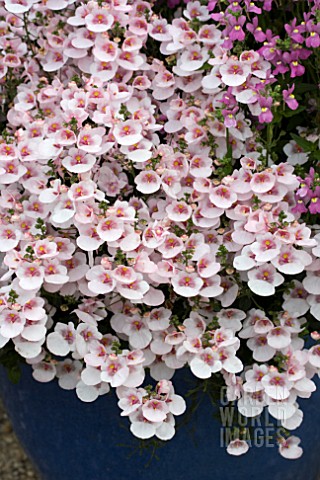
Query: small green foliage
x,y
12,298
77,80
256,202
11,361
103,206
187,255
124,112
222,254
73,125
175,321
120,257
40,225
116,348
30,253
53,169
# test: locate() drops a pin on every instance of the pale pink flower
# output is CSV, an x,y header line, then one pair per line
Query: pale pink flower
x,y
8,152
148,182
234,73
314,302
129,60
265,248
68,373
9,237
87,393
159,319
141,427
193,58
195,10
237,447
128,132
78,162
45,249
314,356
100,280
57,4
115,370
291,261
33,309
289,448
277,385
138,332
134,290
231,318
30,276
187,284
222,197
311,282
279,337
262,352
155,410
179,211
130,399
90,140
44,372
65,137
229,293
97,355
228,359
54,272
105,50
12,323
53,61
171,246
207,266
205,363
99,20
62,340
11,171
264,279
18,6
89,238
262,182
110,229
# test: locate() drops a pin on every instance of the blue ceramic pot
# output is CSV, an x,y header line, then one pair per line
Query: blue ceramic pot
x,y
67,439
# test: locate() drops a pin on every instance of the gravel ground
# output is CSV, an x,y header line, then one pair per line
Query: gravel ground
x,y
14,464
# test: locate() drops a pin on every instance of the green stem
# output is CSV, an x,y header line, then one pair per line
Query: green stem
x,y
29,40
269,141
229,147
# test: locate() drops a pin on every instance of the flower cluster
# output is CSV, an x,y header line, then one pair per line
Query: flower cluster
x,y
308,194
152,216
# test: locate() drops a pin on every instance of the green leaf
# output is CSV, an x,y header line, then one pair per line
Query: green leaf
x,y
303,143
304,87
14,374
245,303
290,113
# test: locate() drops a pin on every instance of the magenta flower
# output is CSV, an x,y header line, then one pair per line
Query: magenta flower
x,y
236,32
252,7
299,207
256,31
212,4
229,117
294,31
313,40
314,205
289,98
265,115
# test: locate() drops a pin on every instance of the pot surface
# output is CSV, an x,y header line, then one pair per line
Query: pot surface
x,y
67,439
